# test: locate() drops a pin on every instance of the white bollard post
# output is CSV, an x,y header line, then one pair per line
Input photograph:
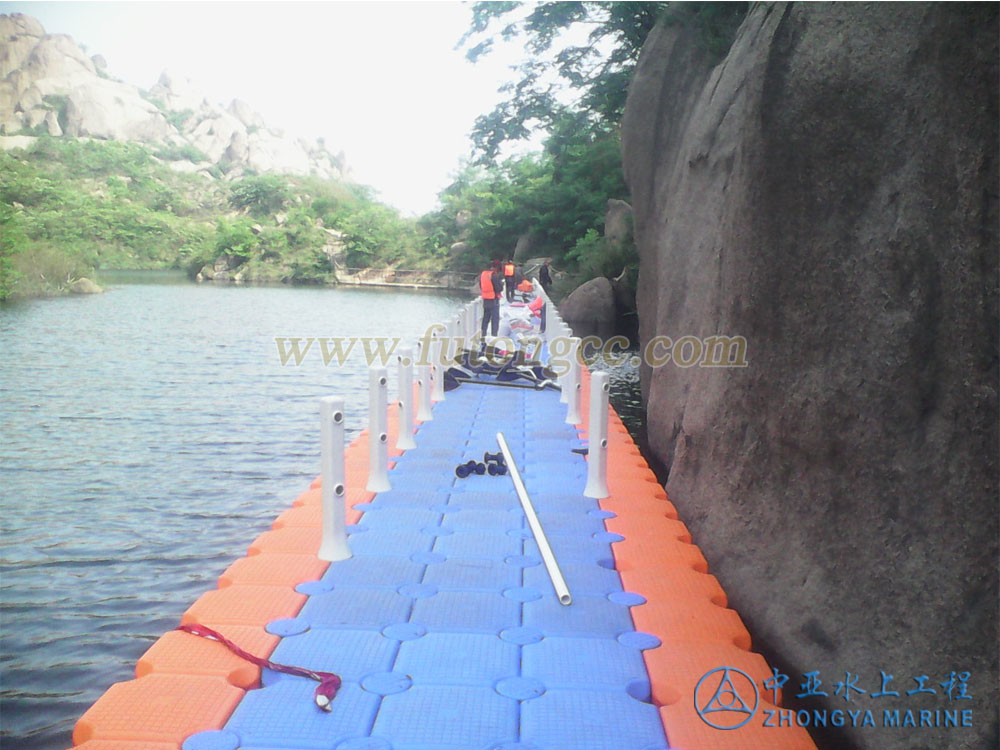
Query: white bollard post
x,y
378,425
333,545
470,320
572,384
437,369
597,432
404,440
424,413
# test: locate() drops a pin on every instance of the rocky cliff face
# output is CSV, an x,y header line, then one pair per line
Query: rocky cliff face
x,y
49,85
829,191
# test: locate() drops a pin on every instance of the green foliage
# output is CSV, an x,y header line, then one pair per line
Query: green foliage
x,y
376,235
179,153
68,207
600,77
598,71
177,118
556,197
262,195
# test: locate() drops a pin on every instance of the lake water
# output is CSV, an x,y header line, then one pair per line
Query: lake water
x,y
147,436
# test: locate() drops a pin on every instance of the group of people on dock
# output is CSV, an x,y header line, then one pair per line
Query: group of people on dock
x,y
506,278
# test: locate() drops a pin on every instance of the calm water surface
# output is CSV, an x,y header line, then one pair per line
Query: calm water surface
x,y
147,435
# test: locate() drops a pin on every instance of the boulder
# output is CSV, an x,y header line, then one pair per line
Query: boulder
x,y
590,308
245,114
523,248
35,65
829,192
618,222
52,124
83,285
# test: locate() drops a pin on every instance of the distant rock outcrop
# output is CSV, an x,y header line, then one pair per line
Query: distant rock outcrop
x,y
49,85
829,191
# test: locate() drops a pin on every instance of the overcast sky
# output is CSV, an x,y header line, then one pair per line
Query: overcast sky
x,y
380,80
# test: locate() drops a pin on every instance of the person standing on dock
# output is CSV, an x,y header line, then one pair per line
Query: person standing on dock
x,y
508,276
490,287
544,277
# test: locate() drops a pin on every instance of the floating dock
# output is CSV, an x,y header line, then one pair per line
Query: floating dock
x,y
444,625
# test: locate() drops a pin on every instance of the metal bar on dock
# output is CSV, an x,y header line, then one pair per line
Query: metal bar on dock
x,y
551,565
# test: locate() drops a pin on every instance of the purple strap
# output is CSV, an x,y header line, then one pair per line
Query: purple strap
x,y
329,683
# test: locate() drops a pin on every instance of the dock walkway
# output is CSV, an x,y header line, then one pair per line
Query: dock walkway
x,y
444,625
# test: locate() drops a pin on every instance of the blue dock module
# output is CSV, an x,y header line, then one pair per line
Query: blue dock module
x,y
444,625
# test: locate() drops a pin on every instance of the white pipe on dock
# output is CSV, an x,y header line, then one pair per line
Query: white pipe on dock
x,y
333,545
404,384
378,426
597,432
551,565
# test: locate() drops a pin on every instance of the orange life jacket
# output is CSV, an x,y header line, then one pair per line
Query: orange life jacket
x,y
508,269
525,286
486,285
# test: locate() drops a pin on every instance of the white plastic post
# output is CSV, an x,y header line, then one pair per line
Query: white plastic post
x,y
572,384
404,440
437,369
378,426
597,433
333,545
424,413
469,315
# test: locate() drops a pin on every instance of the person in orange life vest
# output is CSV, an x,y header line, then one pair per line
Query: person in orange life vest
x,y
490,287
537,307
508,277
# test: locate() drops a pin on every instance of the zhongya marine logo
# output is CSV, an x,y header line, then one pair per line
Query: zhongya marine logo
x,y
726,698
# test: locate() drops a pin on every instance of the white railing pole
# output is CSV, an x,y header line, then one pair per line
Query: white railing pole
x,y
378,426
333,545
424,413
572,384
437,369
404,439
597,434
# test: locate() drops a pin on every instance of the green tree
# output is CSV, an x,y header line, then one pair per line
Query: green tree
x,y
598,71
262,195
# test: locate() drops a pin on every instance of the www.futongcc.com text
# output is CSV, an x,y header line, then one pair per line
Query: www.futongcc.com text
x,y
380,351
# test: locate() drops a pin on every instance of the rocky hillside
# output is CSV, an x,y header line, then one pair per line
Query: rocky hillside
x,y
828,190
48,84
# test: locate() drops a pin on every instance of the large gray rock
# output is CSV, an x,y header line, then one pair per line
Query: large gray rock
x,y
38,71
83,285
523,248
618,222
590,308
829,191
